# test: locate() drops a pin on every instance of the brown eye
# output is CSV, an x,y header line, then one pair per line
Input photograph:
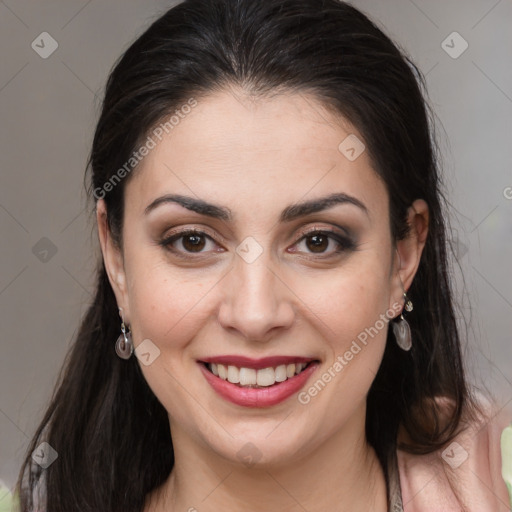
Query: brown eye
x,y
317,242
189,242
193,242
324,243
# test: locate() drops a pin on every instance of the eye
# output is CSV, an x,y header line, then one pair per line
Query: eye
x,y
324,242
190,241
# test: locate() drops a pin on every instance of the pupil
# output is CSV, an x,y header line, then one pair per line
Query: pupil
x,y
193,242
319,242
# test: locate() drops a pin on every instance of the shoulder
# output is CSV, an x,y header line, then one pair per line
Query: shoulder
x,y
466,474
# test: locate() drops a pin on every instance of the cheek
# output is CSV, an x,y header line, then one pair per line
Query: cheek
x,y
166,307
159,296
349,299
169,309
353,309
352,305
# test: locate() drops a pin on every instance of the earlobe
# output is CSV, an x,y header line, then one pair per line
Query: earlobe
x,y
112,256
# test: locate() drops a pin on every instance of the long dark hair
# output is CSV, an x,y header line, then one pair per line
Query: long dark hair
x,y
111,433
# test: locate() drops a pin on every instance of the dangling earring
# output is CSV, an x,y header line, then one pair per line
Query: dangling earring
x,y
401,328
124,344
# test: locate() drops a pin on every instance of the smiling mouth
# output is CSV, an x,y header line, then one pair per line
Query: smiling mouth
x,y
257,378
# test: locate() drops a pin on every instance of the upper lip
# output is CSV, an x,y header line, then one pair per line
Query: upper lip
x,y
257,364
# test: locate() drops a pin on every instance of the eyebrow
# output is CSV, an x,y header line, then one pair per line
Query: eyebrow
x,y
290,213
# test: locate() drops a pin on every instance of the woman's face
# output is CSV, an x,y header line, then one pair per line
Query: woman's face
x,y
256,281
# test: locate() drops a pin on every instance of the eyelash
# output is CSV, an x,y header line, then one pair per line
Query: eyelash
x,y
344,243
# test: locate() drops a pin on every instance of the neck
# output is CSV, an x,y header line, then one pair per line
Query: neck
x,y
342,474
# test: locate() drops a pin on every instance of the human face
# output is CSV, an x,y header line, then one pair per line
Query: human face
x,y
252,284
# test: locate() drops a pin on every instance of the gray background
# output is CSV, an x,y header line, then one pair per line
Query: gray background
x,y
48,108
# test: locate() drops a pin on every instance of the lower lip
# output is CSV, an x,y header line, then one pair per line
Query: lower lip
x,y
258,397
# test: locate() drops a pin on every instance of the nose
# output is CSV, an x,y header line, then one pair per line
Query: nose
x,y
256,304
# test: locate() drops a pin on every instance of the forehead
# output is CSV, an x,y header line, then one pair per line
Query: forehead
x,y
257,153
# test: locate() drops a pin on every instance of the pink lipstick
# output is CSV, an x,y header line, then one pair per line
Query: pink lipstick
x,y
257,382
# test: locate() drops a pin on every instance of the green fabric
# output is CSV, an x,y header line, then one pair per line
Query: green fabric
x,y
8,503
506,457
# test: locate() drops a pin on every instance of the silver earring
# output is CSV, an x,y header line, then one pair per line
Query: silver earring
x,y
124,344
408,303
401,328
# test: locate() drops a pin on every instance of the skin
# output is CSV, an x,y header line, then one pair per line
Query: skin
x,y
256,158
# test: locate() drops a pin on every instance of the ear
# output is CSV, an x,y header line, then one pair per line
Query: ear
x,y
409,250
113,259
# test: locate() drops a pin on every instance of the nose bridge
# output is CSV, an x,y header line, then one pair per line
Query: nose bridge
x,y
255,301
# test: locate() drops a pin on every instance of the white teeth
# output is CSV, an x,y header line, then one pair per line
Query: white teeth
x,y
281,373
250,377
247,376
266,377
233,374
223,374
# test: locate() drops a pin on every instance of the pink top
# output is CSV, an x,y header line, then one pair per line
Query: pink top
x,y
464,476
